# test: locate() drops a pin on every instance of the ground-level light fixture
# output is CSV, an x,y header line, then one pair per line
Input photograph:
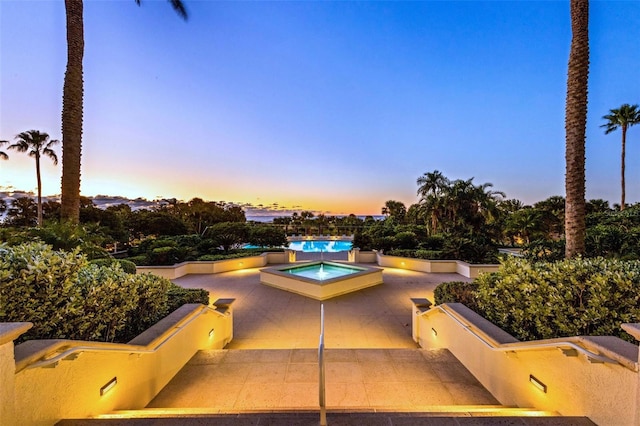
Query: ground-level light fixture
x,y
108,386
537,383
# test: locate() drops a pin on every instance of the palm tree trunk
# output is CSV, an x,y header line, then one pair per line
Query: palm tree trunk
x,y
575,129
624,144
39,189
72,99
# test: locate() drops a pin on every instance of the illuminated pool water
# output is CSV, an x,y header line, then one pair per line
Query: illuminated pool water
x,y
316,246
322,271
321,280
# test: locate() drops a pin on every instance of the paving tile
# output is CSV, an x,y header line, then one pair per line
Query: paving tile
x,y
452,372
299,395
423,394
332,355
405,355
267,395
378,371
302,373
208,357
304,355
343,372
466,394
346,395
423,421
274,355
490,421
371,355
260,373
242,356
387,394
415,371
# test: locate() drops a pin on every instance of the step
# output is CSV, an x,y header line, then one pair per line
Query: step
x,y
435,415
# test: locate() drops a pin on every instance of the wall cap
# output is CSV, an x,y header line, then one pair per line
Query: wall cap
x,y
10,331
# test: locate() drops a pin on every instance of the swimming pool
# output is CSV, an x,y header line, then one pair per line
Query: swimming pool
x,y
321,280
322,271
316,246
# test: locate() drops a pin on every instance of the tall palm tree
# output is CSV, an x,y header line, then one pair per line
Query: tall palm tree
x,y
3,155
575,129
431,187
622,118
37,144
72,109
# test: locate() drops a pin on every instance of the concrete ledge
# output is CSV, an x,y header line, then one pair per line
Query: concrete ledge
x,y
484,328
10,331
435,266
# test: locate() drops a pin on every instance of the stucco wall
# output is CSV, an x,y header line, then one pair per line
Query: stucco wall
x,y
435,266
71,389
606,392
214,267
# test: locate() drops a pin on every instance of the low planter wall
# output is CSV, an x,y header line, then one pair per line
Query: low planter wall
x,y
435,266
355,256
57,379
602,386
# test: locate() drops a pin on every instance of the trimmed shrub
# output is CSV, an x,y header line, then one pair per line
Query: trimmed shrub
x,y
66,297
38,285
178,296
126,265
555,299
457,292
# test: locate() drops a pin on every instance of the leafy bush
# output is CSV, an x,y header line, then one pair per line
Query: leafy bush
x,y
544,250
267,236
457,292
66,297
140,260
178,296
126,265
38,285
567,298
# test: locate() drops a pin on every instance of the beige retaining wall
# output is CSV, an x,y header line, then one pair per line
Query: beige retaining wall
x,y
289,256
602,386
56,379
435,266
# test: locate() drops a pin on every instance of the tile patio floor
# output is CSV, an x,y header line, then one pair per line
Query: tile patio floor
x,y
372,362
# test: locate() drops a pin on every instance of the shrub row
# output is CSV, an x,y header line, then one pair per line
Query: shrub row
x,y
65,296
554,299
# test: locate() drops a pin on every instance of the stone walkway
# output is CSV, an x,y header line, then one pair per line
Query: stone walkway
x,y
371,360
269,318
267,379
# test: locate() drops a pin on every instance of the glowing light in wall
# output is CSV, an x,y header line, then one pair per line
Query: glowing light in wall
x,y
537,383
110,385
434,332
211,333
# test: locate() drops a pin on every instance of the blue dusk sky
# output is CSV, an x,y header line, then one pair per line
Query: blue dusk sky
x,y
327,106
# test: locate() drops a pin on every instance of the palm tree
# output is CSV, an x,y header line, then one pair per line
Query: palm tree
x,y
38,144
622,118
3,155
431,187
575,129
72,109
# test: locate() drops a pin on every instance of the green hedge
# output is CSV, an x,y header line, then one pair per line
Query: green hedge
x,y
179,296
566,298
65,296
456,292
126,265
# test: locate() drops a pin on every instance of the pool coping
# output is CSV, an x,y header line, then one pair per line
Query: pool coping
x,y
367,276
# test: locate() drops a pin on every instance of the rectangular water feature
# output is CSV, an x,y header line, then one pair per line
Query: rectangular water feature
x,y
321,280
